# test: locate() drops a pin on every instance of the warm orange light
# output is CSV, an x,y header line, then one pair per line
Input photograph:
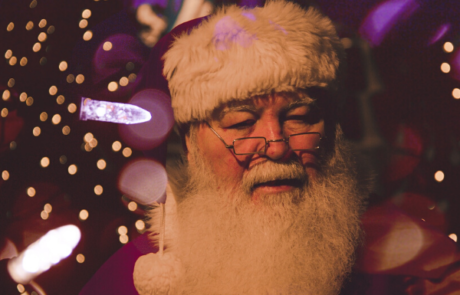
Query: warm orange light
x,y
87,147
124,81
13,145
48,208
36,131
60,99
42,37
80,79
127,152
140,225
116,146
33,4
66,130
72,169
63,66
10,27
453,237
29,26
80,258
83,23
132,206
56,119
124,239
29,101
84,214
42,23
107,46
50,30
62,159
88,137
346,42
23,97
43,61
122,230
132,77
45,162
86,13
113,86
8,53
87,35
445,67
456,93
44,215
98,189
4,112
93,143
439,176
37,46
13,60
5,175
11,82
43,116
31,192
6,94
70,78
101,164
23,61
21,288
448,47
53,90
72,108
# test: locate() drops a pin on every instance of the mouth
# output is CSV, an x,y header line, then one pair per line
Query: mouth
x,y
278,185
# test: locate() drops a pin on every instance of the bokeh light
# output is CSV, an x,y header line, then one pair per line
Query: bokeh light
x,y
140,225
48,208
56,119
124,239
8,54
60,99
70,78
29,101
83,215
93,143
124,81
5,175
53,90
453,237
6,94
72,108
107,46
101,164
132,77
88,137
143,181
37,46
23,97
445,67
4,112
62,159
31,192
80,79
448,47
10,27
130,66
112,86
33,4
127,152
88,35
72,169
80,258
36,131
45,162
43,116
43,61
23,61
29,25
83,23
63,66
50,30
132,206
11,82
42,23
42,37
66,130
116,146
21,288
122,230
13,60
86,13
439,176
44,215
13,145
98,189
456,93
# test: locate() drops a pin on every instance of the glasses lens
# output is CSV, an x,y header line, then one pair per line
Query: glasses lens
x,y
308,141
254,145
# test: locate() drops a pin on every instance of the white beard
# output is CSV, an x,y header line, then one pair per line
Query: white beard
x,y
301,242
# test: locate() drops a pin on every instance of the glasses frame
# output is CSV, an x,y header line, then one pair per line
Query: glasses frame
x,y
286,140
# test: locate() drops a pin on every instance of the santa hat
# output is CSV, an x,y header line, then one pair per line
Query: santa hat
x,y
242,52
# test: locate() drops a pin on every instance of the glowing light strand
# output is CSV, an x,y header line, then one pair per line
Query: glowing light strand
x,y
114,112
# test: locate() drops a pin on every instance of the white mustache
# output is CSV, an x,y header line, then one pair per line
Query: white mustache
x,y
271,171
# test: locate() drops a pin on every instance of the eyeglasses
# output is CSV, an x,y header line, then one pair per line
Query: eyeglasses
x,y
308,141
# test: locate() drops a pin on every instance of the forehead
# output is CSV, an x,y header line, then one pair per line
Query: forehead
x,y
278,101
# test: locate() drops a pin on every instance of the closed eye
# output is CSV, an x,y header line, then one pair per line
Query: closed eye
x,y
242,125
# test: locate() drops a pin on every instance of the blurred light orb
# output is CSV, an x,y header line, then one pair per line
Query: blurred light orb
x,y
83,215
42,37
107,46
101,164
83,23
4,112
80,258
116,146
13,145
56,119
31,192
60,99
37,46
6,95
93,143
10,27
122,230
43,116
448,47
346,42
88,35
23,97
23,61
86,13
453,237
80,79
45,162
11,82
456,93
66,130
48,208
70,78
63,66
445,67
72,169
127,152
140,225
62,159
150,134
8,53
50,30
98,189
130,66
5,175
36,131
439,176
72,108
43,61
53,90
21,288
13,60
132,206
132,77
33,4
42,23
44,215
112,86
29,26
29,101
124,81
124,239
143,181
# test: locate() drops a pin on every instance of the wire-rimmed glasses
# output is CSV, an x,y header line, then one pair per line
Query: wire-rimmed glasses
x,y
307,141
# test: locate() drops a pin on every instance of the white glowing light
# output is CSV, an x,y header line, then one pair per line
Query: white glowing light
x,y
54,246
114,112
453,237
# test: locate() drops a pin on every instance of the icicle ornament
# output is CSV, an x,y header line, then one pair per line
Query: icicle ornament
x,y
115,112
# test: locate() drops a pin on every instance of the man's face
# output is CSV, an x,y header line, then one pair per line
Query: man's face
x,y
273,117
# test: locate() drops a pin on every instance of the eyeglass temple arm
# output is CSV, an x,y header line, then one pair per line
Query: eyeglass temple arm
x,y
218,136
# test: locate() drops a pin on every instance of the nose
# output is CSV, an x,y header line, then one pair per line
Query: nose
x,y
277,148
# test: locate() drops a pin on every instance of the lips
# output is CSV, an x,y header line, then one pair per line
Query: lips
x,y
280,182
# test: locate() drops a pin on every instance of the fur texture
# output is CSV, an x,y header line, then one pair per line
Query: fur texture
x,y
239,53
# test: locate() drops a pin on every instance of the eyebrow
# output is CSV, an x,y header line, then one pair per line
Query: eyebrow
x,y
240,108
